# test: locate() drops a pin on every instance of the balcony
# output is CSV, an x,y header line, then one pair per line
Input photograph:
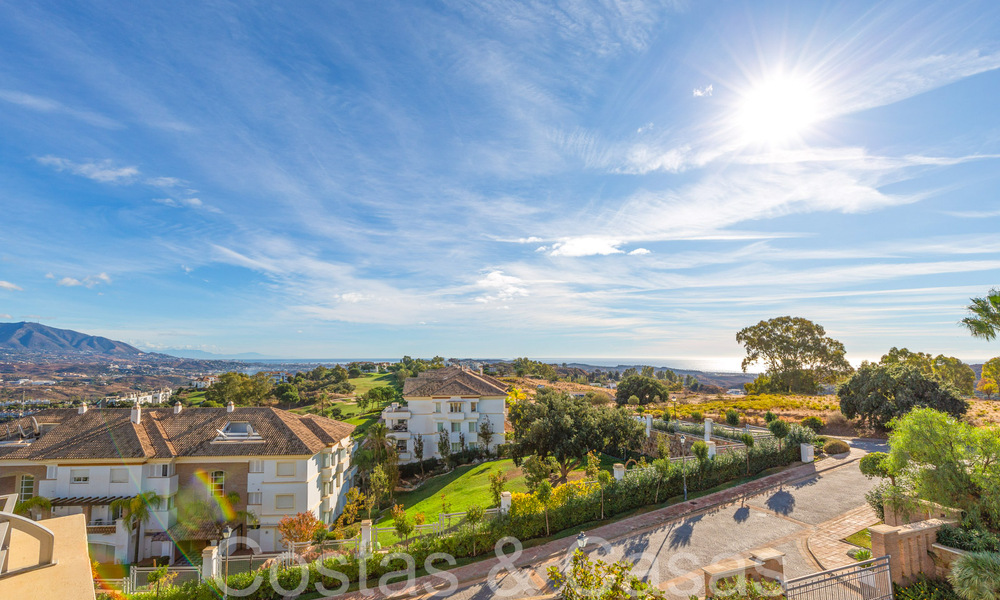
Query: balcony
x,y
101,526
163,486
400,427
327,473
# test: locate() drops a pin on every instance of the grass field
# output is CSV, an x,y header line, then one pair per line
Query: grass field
x,y
861,538
370,380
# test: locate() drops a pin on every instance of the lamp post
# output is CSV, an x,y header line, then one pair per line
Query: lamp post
x,y
684,465
581,540
228,531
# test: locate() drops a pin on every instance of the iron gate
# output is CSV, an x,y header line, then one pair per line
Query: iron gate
x,y
867,580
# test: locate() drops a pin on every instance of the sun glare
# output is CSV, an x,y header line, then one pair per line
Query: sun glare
x,y
777,110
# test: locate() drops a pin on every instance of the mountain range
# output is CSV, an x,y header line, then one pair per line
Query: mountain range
x,y
25,337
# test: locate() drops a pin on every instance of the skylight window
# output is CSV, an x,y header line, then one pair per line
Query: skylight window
x,y
236,431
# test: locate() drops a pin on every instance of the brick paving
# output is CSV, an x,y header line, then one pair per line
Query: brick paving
x,y
538,555
827,544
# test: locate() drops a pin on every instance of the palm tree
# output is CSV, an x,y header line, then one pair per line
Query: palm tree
x,y
135,511
24,507
976,576
378,442
985,320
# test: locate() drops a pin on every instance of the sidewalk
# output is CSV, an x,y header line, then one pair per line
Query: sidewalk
x,y
827,543
477,572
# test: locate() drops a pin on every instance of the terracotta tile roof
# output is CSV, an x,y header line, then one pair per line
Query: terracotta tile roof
x,y
110,433
453,381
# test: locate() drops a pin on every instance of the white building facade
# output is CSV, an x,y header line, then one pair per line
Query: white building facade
x,y
452,401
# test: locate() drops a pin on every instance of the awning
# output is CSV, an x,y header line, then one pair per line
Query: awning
x,y
80,500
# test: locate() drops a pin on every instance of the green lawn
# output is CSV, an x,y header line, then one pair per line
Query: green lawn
x,y
363,384
861,538
362,422
196,398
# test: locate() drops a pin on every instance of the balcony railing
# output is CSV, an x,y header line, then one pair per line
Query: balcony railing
x,y
400,427
10,522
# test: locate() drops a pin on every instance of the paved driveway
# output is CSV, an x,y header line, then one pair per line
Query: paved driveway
x,y
672,555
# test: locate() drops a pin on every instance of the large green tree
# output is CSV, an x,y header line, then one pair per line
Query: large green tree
x,y
241,389
878,393
566,429
796,352
646,389
984,318
947,369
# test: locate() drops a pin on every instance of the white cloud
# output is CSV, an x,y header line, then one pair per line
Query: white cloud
x,y
973,214
501,287
195,203
586,246
704,91
47,105
164,181
639,251
88,281
5,316
165,201
6,285
103,171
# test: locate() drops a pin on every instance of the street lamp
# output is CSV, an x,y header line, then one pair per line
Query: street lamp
x,y
581,540
228,531
683,465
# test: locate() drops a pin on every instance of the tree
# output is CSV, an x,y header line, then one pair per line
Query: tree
x,y
991,370
25,507
878,393
418,451
748,441
947,369
287,393
379,487
987,387
733,417
544,495
136,511
876,465
976,576
161,576
376,398
537,469
378,442
566,429
403,525
646,389
796,352
299,528
779,429
444,445
497,482
586,580
486,432
593,466
984,320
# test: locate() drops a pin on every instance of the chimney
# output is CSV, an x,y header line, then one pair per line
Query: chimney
x,y
177,408
81,409
230,407
136,413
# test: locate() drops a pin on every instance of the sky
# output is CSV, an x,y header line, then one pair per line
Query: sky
x,y
498,179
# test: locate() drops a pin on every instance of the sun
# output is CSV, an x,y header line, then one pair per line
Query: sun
x,y
777,110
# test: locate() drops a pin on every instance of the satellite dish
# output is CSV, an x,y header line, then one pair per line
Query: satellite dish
x,y
8,432
21,431
34,424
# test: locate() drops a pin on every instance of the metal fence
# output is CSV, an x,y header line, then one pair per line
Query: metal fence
x,y
868,580
138,577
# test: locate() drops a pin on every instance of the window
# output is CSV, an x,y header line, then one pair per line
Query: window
x,y
217,483
51,472
472,427
286,469
437,407
440,427
284,501
254,498
169,504
119,475
473,406
454,407
116,513
456,447
400,445
456,427
256,466
79,476
159,470
236,429
26,491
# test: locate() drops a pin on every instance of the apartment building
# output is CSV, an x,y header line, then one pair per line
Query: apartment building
x,y
452,400
277,462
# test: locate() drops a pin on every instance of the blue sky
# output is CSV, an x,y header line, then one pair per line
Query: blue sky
x,y
617,179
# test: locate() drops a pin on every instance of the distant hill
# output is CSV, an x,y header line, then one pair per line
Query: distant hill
x,y
36,338
201,354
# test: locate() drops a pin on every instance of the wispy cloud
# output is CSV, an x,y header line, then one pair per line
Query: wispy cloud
x,y
88,281
104,171
48,105
6,285
703,91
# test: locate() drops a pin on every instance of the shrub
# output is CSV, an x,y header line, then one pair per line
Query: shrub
x,y
798,434
836,447
814,423
925,589
874,465
971,539
696,416
876,499
862,555
976,576
769,416
733,417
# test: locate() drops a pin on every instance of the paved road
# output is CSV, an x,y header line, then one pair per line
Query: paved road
x,y
673,554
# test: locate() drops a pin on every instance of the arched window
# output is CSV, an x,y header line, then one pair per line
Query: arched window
x,y
218,483
26,490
